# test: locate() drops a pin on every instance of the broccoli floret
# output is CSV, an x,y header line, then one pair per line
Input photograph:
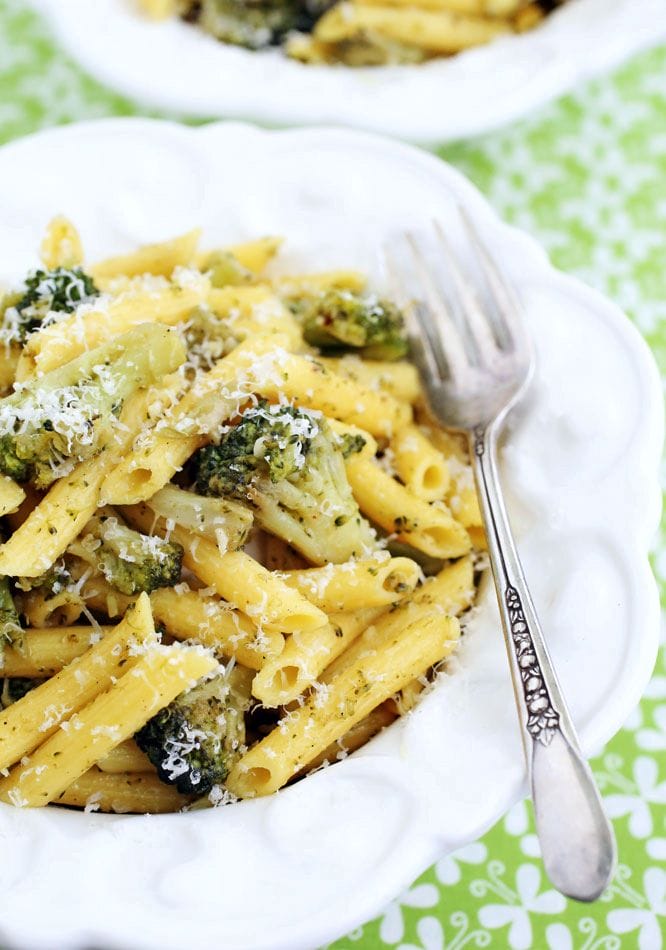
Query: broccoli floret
x,y
10,623
289,466
65,416
254,24
342,321
130,561
46,292
15,688
196,739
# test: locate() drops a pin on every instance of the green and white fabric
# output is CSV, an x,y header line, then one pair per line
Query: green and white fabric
x,y
587,177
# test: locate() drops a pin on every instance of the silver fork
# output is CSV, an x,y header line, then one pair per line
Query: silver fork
x,y
475,362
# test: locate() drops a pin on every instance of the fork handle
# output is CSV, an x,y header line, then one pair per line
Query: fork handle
x,y
577,842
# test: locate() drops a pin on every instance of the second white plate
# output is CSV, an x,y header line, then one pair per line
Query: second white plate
x,y
175,66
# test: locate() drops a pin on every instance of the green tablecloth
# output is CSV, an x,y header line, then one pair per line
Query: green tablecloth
x,y
587,177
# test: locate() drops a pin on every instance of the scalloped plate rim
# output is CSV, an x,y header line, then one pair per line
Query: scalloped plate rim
x,y
646,439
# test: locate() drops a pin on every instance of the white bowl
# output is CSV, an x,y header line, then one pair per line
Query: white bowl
x,y
294,870
177,67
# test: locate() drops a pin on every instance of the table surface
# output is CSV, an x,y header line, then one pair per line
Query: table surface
x,y
587,177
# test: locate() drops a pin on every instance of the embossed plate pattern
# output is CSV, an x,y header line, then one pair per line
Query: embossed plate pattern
x,y
292,871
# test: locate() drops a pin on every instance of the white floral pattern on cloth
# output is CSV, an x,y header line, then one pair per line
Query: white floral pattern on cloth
x,y
586,176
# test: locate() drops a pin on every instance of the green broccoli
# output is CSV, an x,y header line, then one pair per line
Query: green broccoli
x,y
289,466
65,416
130,561
195,740
254,24
341,321
46,292
10,623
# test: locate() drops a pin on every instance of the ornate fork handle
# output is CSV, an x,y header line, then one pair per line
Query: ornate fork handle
x,y
577,842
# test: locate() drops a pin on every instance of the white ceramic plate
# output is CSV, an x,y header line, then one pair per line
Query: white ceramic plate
x,y
176,67
292,871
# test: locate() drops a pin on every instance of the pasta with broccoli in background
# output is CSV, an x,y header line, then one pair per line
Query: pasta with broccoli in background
x,y
234,546
356,32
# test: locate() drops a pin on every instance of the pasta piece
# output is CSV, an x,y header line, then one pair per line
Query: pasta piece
x,y
63,341
61,246
401,380
369,582
11,496
256,254
482,8
428,528
161,258
44,652
419,465
308,383
64,511
190,616
27,723
242,581
43,608
126,757
300,285
160,9
285,677
439,32
448,594
252,311
214,398
358,735
461,497
529,17
350,697
153,681
123,793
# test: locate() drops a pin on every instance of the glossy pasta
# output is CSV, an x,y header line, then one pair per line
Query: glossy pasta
x,y
221,495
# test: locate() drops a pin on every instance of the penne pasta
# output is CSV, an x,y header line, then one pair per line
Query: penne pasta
x,y
171,407
35,717
357,736
369,582
401,380
439,32
419,465
61,246
428,528
126,757
122,793
285,677
161,258
446,595
189,616
44,652
308,383
113,716
243,582
350,697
